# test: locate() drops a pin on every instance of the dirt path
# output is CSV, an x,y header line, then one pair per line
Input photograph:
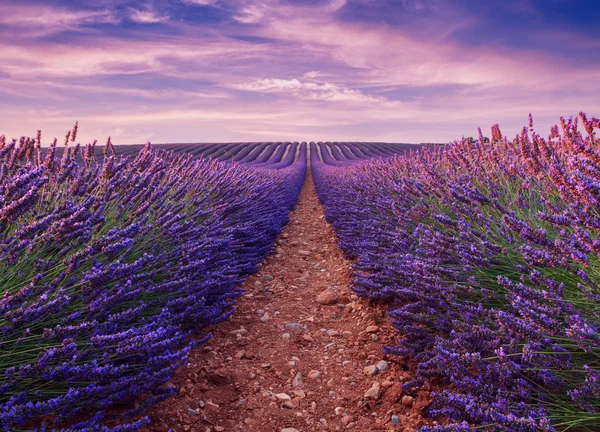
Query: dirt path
x,y
288,362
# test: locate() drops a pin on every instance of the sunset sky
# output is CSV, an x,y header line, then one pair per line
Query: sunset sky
x,y
275,70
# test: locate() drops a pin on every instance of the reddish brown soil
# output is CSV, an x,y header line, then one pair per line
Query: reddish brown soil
x,y
230,383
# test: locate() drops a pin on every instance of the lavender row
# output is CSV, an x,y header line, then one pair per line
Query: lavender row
x,y
112,272
239,152
488,253
343,153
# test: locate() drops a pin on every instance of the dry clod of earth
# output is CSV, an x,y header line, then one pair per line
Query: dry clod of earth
x,y
285,363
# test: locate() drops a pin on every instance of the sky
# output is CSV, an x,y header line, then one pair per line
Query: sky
x,y
283,70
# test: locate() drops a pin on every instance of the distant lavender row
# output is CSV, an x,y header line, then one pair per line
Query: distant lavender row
x,y
489,254
345,153
268,152
109,270
255,152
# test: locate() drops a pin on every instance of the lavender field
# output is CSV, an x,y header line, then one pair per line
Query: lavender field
x,y
485,253
299,216
112,271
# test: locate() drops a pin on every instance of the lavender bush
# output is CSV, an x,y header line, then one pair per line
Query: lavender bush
x,y
489,254
112,271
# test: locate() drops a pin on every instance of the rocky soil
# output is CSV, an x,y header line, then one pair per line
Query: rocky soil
x,y
302,353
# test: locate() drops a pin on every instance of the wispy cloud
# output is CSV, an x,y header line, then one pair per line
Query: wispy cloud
x,y
313,74
177,57
35,21
200,2
383,55
338,4
249,15
309,90
253,12
67,91
147,16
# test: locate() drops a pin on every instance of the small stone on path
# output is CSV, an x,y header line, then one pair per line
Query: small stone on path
x,y
347,419
374,392
407,400
383,365
298,380
299,393
328,297
371,370
314,374
283,397
372,329
291,404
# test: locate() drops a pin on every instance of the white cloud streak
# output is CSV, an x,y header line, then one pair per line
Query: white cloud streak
x,y
147,16
200,2
313,74
249,15
309,90
41,21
